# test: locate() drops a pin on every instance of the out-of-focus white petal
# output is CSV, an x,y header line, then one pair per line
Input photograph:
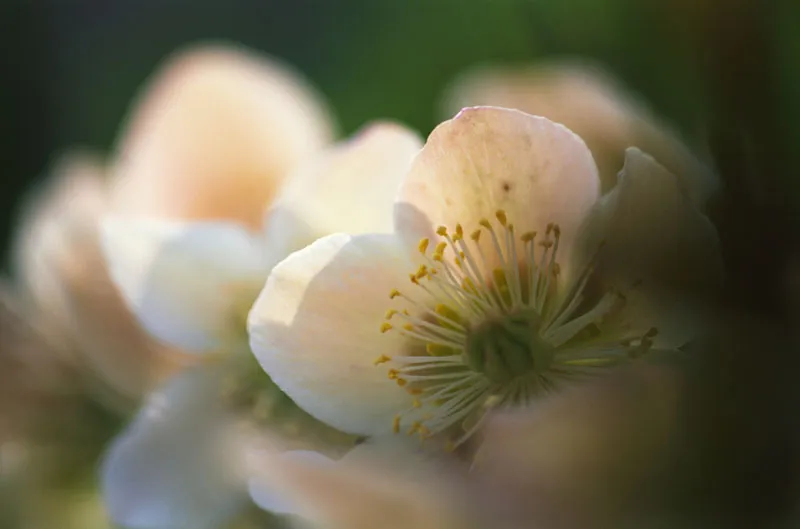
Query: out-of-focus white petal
x,y
488,159
654,237
349,188
176,466
315,329
214,134
591,103
190,284
374,485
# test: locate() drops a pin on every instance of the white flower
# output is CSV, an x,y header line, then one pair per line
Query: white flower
x,y
507,275
192,284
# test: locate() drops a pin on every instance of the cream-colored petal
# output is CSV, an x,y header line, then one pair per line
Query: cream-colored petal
x,y
315,329
656,247
214,134
374,485
63,274
191,284
176,464
488,159
350,188
591,103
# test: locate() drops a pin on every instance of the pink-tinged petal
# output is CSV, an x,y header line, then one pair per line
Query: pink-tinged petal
x,y
214,134
375,485
488,159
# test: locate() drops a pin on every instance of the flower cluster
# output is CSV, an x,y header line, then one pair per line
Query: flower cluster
x,y
283,301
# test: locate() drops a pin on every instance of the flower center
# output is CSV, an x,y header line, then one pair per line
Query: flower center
x,y
493,324
507,347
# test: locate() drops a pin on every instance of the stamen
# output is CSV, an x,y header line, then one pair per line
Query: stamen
x,y
491,331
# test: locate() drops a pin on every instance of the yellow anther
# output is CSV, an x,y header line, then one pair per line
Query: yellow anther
x,y
501,217
401,381
416,403
423,431
413,279
440,248
459,231
475,235
485,223
422,271
435,349
393,374
396,424
382,359
469,286
386,326
405,312
415,426
408,327
414,391
390,313
528,237
441,231
423,245
394,293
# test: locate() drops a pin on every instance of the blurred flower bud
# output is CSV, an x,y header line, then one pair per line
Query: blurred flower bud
x,y
214,134
591,104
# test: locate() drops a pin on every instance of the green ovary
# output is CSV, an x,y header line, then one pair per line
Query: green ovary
x,y
508,347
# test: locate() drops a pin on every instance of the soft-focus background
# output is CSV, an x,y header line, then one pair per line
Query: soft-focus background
x,y
71,67
724,73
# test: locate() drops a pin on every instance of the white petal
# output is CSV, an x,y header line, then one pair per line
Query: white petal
x,y
487,159
270,496
175,465
372,486
214,134
350,188
187,283
315,329
654,236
